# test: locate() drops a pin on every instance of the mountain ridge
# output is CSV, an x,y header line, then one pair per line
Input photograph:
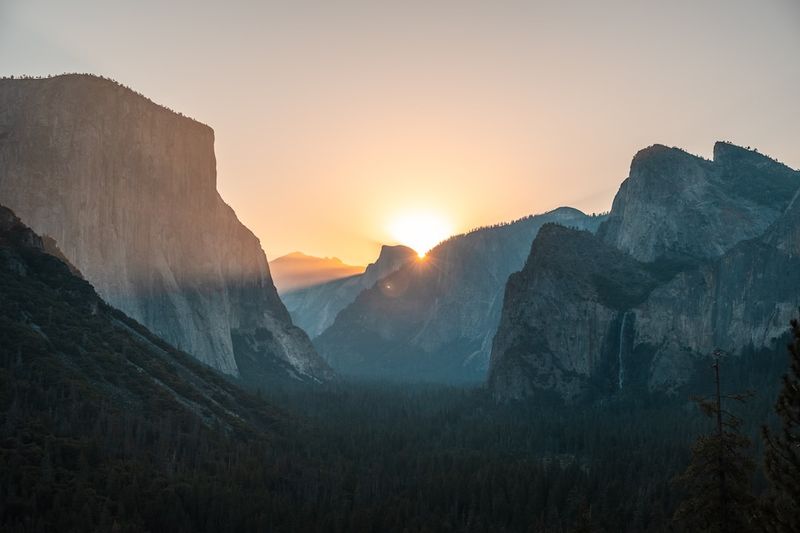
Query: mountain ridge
x,y
297,270
717,254
433,320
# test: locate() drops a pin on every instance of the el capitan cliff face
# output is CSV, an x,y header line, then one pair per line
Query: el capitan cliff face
x,y
696,255
128,191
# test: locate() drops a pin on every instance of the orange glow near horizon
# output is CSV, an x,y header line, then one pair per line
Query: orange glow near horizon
x,y
333,121
420,230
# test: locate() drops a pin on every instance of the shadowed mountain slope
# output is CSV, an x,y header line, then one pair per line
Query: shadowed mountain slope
x,y
104,426
433,320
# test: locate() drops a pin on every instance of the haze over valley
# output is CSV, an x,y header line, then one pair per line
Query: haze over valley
x,y
452,267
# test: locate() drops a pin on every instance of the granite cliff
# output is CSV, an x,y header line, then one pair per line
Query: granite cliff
x,y
433,320
127,189
676,205
695,256
58,335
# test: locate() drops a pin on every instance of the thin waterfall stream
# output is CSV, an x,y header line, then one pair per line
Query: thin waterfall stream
x,y
620,369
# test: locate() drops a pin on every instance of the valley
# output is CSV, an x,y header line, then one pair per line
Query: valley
x,y
554,370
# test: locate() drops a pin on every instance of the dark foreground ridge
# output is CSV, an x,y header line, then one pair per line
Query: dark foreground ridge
x,y
106,427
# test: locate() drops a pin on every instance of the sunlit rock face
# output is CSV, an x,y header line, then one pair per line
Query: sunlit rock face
x,y
128,190
433,320
704,257
314,308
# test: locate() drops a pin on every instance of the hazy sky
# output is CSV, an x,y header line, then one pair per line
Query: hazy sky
x,y
335,118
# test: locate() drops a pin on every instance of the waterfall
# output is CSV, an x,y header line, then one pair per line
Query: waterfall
x,y
620,370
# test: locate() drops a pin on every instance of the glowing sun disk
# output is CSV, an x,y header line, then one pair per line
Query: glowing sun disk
x,y
420,231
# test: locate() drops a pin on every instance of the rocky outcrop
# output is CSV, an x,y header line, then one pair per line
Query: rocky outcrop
x,y
676,205
296,271
128,190
314,308
639,307
433,320
560,309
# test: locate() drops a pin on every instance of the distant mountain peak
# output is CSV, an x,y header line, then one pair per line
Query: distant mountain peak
x,y
297,255
393,252
292,255
298,270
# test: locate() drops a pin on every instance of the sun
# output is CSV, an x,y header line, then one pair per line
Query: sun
x,y
420,230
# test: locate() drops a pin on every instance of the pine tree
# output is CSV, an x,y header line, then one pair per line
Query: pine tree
x,y
717,482
782,450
